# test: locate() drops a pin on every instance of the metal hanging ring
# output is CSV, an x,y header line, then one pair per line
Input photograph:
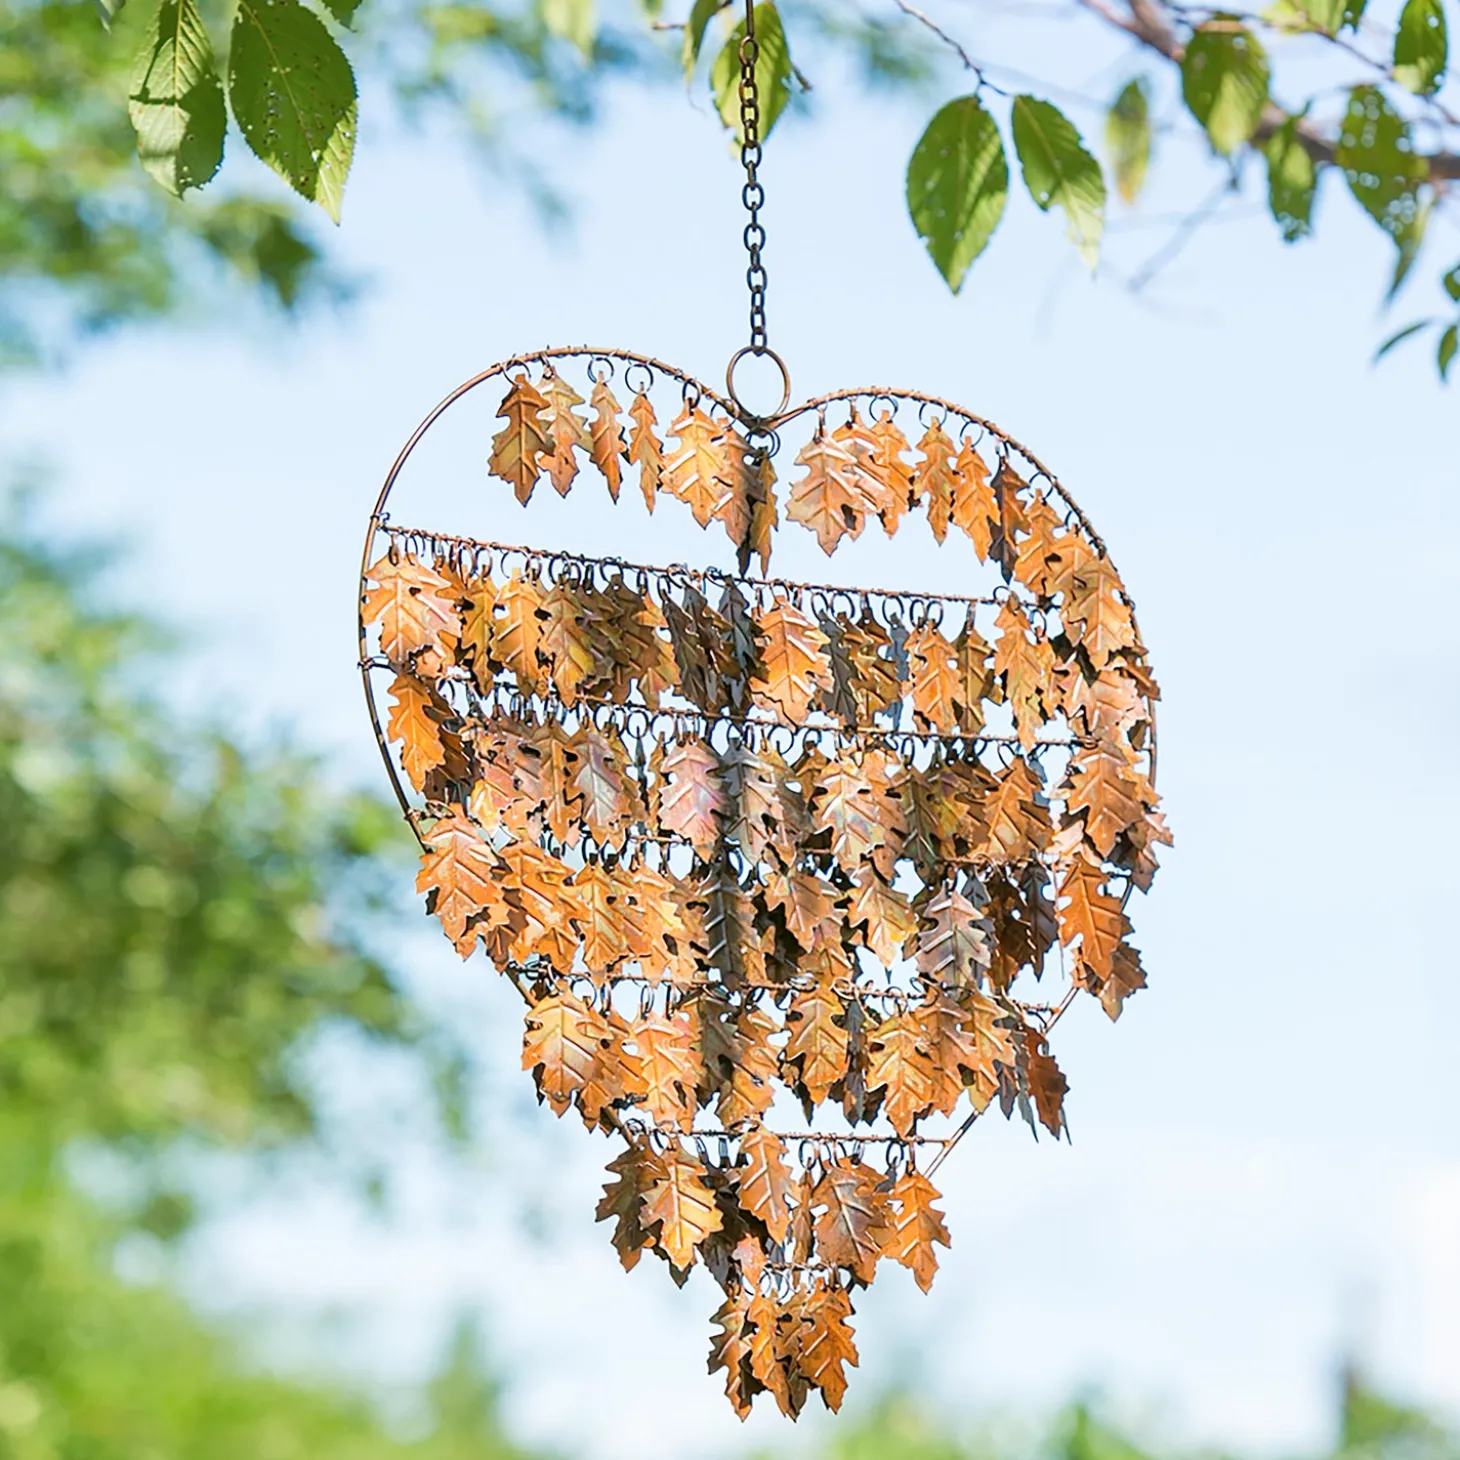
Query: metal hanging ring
x,y
746,414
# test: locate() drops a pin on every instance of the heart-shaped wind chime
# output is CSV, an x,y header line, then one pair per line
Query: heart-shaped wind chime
x,y
744,844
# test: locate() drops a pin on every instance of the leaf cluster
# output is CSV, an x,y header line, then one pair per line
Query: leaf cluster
x,y
740,838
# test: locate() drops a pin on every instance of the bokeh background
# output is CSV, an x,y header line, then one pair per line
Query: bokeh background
x,y
1263,1184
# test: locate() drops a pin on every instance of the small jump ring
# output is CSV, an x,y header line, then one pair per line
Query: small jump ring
x,y
744,411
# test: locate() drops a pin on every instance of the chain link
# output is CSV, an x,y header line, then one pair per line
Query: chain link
x,y
752,194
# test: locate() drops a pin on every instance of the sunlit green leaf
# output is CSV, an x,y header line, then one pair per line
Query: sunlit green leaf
x,y
1128,138
1224,79
1058,170
1451,283
176,101
293,95
1377,156
342,10
957,185
573,20
1292,180
1399,337
1421,47
772,71
1449,342
702,13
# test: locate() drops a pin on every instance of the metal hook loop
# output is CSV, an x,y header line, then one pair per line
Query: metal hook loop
x,y
755,418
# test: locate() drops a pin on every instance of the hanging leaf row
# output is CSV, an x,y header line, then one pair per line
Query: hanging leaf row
x,y
746,845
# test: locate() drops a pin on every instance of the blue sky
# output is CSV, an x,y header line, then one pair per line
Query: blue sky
x,y
1265,1170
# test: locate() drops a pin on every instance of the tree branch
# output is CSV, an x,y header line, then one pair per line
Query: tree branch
x,y
1149,22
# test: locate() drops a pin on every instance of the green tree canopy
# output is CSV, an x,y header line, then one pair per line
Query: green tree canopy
x,y
1305,90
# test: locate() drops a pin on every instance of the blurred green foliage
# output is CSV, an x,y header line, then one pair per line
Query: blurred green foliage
x,y
179,915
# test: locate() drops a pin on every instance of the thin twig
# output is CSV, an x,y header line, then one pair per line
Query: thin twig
x,y
1185,231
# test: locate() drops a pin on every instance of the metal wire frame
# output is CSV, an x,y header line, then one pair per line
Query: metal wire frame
x,y
763,429
696,391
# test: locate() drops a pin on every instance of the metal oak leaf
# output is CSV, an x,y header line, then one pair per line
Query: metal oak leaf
x,y
682,1207
851,1218
415,606
794,666
916,1225
518,448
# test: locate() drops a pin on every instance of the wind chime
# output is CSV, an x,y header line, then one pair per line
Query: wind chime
x,y
745,844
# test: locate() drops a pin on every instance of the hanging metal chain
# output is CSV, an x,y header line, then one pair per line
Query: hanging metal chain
x,y
752,194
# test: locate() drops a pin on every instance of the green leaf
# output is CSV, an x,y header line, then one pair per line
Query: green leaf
x,y
1224,79
1058,169
108,10
1297,16
700,16
772,71
1128,137
1400,336
176,101
342,10
293,94
1292,180
573,20
1451,283
1377,157
1449,342
1421,47
957,185
1353,13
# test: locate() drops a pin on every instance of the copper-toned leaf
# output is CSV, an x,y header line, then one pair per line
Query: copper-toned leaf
x,y
551,763
829,499
900,1066
635,1171
561,1046
974,507
1095,613
692,800
1101,787
416,713
889,463
609,802
825,1342
935,683
994,1050
682,1207
951,1046
845,806
698,470
670,1067
518,449
793,666
851,1218
916,1225
752,814
415,606
1047,1084
876,684
817,1048
565,645
953,938
1090,916
884,915
1035,554
462,872
936,478
808,905
1023,658
538,883
1009,520
601,894
567,431
764,1183
606,443
517,631
730,1350
646,450
1017,815
751,1085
